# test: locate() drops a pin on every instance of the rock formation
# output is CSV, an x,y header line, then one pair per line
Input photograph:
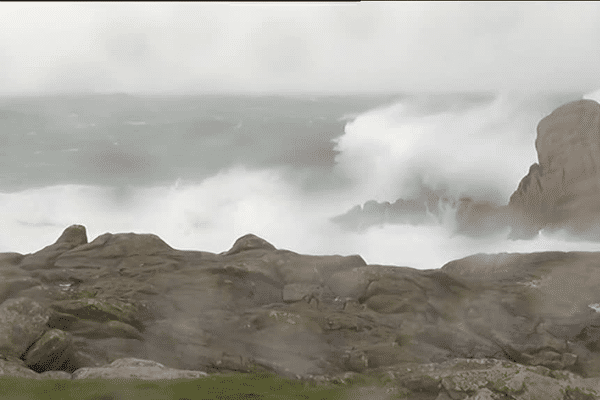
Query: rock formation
x,y
77,309
472,217
562,190
418,210
479,218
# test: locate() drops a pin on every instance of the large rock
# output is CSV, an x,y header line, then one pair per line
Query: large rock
x,y
72,237
249,242
22,322
186,313
562,190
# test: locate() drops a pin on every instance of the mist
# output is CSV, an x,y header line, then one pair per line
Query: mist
x,y
298,47
471,145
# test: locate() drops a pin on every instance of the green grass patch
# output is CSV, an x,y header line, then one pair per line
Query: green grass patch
x,y
218,386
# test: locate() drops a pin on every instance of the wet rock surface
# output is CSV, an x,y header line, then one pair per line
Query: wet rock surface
x,y
259,308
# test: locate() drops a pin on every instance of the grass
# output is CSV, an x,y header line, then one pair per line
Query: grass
x,y
219,386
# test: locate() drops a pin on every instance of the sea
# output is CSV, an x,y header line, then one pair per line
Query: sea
x,y
200,171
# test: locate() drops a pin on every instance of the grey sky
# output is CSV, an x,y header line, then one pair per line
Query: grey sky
x,y
310,47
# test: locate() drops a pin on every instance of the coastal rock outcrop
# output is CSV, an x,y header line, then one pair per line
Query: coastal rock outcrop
x,y
562,190
470,217
479,218
425,207
72,237
127,301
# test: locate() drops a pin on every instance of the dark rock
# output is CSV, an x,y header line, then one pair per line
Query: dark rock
x,y
473,217
414,211
526,205
49,352
478,218
73,236
562,190
22,322
10,259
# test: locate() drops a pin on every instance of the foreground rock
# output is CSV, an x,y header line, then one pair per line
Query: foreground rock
x,y
562,190
91,308
483,379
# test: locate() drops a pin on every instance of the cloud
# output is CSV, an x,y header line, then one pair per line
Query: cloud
x,y
315,47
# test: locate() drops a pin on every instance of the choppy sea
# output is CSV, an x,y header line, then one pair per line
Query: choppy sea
x,y
201,171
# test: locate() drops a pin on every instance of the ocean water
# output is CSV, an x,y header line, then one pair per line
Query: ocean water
x,y
201,171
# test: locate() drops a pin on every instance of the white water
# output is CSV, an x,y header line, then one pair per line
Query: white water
x,y
482,151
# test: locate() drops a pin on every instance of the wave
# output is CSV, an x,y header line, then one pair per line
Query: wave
x,y
480,148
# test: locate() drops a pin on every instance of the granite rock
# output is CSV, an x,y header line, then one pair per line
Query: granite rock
x,y
562,190
125,296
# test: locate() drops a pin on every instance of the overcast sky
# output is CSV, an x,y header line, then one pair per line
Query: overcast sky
x,y
305,47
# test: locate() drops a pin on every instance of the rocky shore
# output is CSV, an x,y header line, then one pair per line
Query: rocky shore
x,y
561,191
505,326
486,327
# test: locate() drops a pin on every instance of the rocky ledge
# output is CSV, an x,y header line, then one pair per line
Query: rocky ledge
x,y
506,326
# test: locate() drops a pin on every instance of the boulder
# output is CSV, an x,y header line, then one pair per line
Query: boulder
x,y
113,250
10,259
49,352
249,242
562,190
73,236
417,210
22,322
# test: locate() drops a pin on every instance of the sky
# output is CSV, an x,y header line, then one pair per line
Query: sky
x,y
298,47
